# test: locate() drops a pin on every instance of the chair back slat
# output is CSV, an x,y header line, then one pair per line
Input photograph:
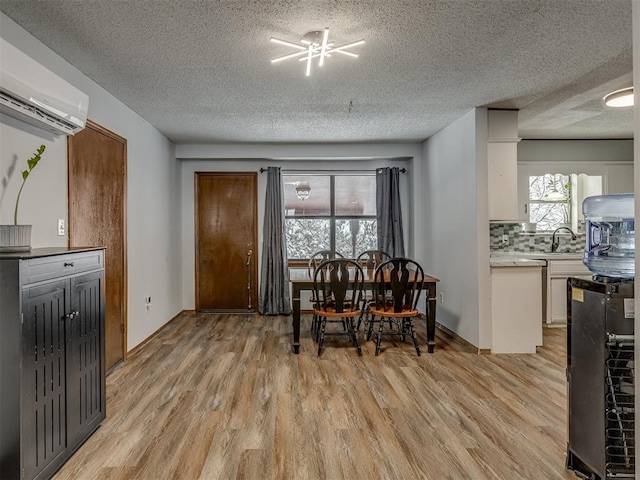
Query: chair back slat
x,y
320,256
338,284
372,258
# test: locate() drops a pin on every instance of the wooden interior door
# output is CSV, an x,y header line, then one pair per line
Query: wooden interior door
x,y
97,169
226,236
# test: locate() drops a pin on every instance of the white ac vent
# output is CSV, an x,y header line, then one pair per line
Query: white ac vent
x,y
34,116
32,93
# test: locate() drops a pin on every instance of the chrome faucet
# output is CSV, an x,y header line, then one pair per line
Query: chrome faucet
x,y
555,242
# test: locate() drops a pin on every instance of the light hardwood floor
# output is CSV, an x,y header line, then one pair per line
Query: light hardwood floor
x,y
222,397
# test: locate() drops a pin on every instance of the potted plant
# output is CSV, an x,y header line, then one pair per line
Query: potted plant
x,y
17,238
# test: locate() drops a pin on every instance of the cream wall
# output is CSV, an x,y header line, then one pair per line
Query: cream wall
x,y
153,189
455,225
250,158
636,132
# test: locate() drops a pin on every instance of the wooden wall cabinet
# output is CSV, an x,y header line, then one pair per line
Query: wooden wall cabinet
x,y
52,375
502,164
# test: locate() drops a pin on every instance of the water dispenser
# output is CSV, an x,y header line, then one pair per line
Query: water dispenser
x,y
610,249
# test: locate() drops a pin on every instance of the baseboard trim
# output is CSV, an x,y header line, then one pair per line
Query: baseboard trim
x,y
135,350
453,336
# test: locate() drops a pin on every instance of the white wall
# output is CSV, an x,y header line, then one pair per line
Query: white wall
x,y
456,224
636,134
575,151
250,158
153,189
18,142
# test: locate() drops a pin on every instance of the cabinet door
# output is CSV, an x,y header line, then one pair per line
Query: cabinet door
x,y
44,436
503,181
85,358
558,300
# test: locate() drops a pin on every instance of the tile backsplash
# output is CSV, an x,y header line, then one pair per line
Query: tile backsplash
x,y
518,241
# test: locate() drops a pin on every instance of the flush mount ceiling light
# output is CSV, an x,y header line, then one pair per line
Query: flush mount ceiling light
x,y
620,98
315,45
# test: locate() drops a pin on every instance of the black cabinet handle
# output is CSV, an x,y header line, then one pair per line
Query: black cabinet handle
x,y
68,264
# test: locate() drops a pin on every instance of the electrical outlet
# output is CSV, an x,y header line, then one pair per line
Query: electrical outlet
x,y
441,297
147,303
60,226
505,238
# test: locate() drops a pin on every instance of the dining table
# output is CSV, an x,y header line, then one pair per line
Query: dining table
x,y
301,281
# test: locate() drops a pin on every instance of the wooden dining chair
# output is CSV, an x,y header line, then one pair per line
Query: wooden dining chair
x,y
396,290
338,285
369,261
316,259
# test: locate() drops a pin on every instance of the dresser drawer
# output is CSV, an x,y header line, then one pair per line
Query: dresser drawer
x,y
46,268
566,268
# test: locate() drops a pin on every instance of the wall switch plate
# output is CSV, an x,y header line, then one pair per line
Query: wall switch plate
x,y
441,297
60,226
505,238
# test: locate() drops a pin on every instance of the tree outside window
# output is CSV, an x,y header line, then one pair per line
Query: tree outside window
x,y
339,214
550,200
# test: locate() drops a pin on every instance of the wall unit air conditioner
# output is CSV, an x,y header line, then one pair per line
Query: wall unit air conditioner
x,y
34,94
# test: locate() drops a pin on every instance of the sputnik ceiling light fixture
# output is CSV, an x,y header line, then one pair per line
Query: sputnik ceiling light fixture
x,y
315,45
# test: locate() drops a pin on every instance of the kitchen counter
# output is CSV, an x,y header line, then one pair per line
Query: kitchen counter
x,y
537,255
516,304
516,261
556,268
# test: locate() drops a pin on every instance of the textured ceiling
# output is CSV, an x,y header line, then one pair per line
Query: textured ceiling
x,y
200,71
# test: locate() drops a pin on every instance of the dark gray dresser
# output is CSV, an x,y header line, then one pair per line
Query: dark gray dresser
x,y
52,381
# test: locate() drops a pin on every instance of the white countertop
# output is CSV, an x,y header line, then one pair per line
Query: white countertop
x,y
529,259
514,261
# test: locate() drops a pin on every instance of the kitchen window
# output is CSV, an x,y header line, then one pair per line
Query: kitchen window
x,y
555,199
329,212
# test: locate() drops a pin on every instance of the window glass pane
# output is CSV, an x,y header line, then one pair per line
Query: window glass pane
x,y
307,195
306,236
548,216
355,236
355,195
550,186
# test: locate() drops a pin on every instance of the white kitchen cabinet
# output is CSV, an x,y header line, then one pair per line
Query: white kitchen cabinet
x,y
557,273
502,164
516,308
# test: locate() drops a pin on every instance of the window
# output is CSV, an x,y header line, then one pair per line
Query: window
x,y
555,199
550,200
329,212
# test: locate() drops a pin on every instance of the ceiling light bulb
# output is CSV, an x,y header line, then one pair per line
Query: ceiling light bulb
x,y
323,48
315,44
288,44
620,98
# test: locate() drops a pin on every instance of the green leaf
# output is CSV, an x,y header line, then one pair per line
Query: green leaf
x,y
31,163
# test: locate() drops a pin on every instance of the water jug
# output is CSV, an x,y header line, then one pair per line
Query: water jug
x,y
610,249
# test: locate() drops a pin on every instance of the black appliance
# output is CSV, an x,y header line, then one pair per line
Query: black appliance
x,y
600,376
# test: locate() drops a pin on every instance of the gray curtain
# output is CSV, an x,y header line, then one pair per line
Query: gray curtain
x,y
388,211
274,296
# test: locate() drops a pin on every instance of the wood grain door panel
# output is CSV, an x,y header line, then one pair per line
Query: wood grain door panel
x,y
226,234
97,217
